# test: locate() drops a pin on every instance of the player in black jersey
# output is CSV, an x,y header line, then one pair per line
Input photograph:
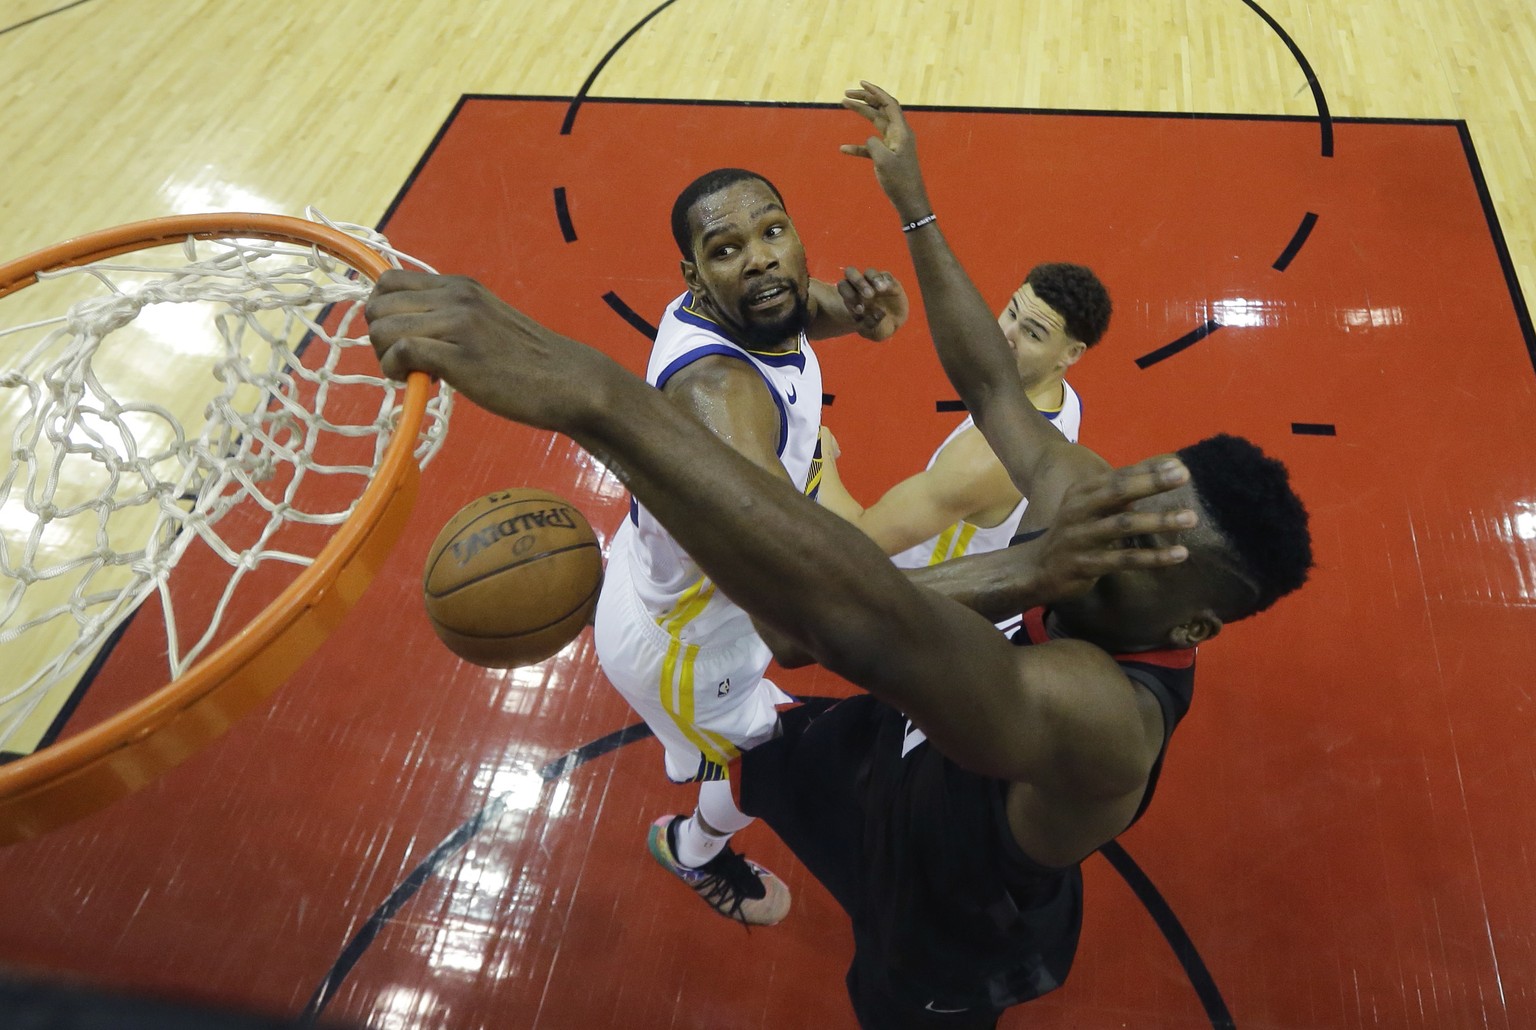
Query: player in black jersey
x,y
947,812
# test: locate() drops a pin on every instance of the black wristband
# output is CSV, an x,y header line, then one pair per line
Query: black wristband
x,y
914,226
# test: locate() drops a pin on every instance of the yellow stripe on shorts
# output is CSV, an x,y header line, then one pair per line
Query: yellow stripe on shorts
x,y
676,688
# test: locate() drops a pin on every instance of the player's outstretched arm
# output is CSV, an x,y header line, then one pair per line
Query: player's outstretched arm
x,y
800,570
965,482
971,346
871,303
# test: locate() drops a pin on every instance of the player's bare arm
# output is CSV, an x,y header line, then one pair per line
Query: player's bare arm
x,y
871,303
833,495
1096,532
825,585
965,483
965,332
730,398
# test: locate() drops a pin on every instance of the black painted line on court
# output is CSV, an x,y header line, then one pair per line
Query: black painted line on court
x,y
563,215
629,315
452,845
1140,883
1294,247
1174,933
1324,120
827,399
1314,429
40,17
581,94
410,180
1088,112
77,693
945,406
1500,245
1167,351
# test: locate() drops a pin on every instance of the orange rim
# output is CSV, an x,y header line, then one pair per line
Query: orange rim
x,y
99,765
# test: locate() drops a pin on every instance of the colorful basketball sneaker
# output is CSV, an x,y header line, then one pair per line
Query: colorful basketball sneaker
x,y
735,887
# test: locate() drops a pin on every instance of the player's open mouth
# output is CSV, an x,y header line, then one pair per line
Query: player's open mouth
x,y
769,297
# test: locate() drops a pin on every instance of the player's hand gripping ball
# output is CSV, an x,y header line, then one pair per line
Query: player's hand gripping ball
x,y
512,578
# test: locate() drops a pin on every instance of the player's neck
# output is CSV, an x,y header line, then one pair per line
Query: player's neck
x,y
1060,624
1048,395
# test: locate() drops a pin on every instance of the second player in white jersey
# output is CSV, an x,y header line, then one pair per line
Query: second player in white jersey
x,y
966,537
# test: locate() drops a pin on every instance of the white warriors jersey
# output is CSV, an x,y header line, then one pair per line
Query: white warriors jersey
x,y
672,588
968,538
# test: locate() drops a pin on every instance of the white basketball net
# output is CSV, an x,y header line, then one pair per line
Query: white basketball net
x,y
177,389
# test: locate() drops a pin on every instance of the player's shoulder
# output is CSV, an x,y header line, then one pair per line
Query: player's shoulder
x,y
685,336
715,378
968,455
685,316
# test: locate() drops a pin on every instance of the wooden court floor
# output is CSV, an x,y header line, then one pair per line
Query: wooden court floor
x,y
1334,262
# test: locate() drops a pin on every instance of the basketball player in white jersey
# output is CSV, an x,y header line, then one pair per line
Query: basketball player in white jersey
x,y
734,350
965,502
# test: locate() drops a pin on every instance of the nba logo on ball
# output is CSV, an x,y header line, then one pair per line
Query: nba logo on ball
x,y
512,578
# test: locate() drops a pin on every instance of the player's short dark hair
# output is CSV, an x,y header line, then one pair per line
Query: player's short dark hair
x,y
1077,295
1248,496
703,186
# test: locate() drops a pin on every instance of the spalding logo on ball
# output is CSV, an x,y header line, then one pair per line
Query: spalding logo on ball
x,y
512,578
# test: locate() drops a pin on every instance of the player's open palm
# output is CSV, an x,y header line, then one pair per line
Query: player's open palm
x,y
1097,531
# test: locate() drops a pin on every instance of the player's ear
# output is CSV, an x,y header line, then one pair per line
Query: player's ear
x,y
1200,627
691,276
1075,351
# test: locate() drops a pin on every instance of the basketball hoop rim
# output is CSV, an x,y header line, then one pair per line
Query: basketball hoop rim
x,y
90,769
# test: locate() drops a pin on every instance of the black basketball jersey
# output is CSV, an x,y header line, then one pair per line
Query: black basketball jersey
x,y
918,850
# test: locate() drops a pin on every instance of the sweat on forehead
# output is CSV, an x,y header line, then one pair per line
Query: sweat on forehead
x,y
704,186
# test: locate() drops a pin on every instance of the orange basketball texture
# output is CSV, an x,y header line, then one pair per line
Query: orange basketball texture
x,y
512,578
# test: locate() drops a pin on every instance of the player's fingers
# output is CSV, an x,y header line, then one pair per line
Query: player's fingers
x,y
877,97
859,104
852,300
1130,540
853,150
888,106
1131,525
1148,478
402,356
859,282
399,292
1102,563
396,279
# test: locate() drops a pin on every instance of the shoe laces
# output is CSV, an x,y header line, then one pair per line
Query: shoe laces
x,y
728,882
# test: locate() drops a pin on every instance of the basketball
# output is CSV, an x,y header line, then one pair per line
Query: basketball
x,y
512,578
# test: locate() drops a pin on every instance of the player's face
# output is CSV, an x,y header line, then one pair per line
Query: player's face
x,y
749,265
1038,335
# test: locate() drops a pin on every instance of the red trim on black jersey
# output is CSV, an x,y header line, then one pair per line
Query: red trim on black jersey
x,y
1167,658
